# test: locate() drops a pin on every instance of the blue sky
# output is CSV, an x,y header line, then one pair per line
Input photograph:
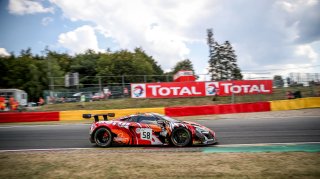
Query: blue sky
x,y
269,36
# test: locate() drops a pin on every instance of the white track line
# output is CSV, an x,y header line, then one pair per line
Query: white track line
x,y
259,117
41,125
50,149
264,144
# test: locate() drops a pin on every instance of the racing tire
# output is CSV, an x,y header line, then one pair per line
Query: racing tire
x,y
181,137
103,137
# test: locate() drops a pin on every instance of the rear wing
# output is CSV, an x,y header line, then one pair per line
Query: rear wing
x,y
96,116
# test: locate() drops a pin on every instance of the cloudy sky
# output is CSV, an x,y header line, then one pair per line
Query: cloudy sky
x,y
269,36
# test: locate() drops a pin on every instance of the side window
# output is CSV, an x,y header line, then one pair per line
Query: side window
x,y
134,119
147,120
126,119
130,119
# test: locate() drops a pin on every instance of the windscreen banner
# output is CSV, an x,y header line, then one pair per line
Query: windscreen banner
x,y
200,89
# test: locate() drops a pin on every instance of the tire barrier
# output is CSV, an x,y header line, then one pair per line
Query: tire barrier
x,y
291,104
217,109
28,117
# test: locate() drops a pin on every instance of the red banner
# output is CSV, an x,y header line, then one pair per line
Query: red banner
x,y
245,87
197,89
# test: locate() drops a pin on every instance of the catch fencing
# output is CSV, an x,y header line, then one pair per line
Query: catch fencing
x,y
115,87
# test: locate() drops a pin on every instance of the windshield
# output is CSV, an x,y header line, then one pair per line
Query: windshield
x,y
167,118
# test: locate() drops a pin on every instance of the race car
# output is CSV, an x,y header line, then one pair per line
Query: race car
x,y
148,129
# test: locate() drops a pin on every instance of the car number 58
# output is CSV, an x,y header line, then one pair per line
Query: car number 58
x,y
146,133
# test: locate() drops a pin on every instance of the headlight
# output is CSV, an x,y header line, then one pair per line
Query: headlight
x,y
201,131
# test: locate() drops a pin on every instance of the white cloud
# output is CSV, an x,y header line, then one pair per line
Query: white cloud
x,y
79,40
21,7
307,52
291,6
3,52
264,33
46,21
157,26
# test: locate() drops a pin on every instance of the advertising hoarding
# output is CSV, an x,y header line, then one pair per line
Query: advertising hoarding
x,y
200,89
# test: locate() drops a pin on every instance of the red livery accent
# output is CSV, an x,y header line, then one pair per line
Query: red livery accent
x,y
148,129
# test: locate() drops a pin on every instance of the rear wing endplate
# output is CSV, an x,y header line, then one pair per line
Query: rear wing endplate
x,y
96,116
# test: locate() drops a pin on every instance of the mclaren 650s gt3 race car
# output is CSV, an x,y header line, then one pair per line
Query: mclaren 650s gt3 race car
x,y
148,129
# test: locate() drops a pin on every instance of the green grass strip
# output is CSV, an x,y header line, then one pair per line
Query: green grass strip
x,y
266,148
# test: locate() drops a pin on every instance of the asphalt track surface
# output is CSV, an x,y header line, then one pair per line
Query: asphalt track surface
x,y
297,129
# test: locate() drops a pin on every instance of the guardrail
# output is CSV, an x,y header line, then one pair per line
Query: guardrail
x,y
217,109
28,117
312,102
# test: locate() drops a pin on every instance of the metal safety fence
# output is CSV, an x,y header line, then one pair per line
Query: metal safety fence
x,y
115,87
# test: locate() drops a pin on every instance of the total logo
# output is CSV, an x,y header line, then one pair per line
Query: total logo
x,y
212,88
138,90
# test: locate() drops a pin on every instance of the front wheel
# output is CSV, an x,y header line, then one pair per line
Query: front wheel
x,y
181,137
103,137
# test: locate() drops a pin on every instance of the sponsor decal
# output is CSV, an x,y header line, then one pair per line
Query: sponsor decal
x,y
212,88
138,90
137,130
246,87
173,91
194,89
146,134
243,88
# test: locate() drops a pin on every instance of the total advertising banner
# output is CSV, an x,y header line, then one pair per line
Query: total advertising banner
x,y
197,89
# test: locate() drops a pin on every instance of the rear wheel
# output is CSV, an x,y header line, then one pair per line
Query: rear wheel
x,y
181,137
103,137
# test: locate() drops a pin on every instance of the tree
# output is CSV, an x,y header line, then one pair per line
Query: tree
x,y
278,81
85,64
63,59
215,65
54,68
136,66
33,86
34,73
26,72
157,70
4,63
183,65
233,72
18,68
222,60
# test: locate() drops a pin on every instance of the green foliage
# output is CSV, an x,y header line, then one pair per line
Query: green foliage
x,y
134,64
63,60
23,72
4,63
34,73
85,64
183,65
